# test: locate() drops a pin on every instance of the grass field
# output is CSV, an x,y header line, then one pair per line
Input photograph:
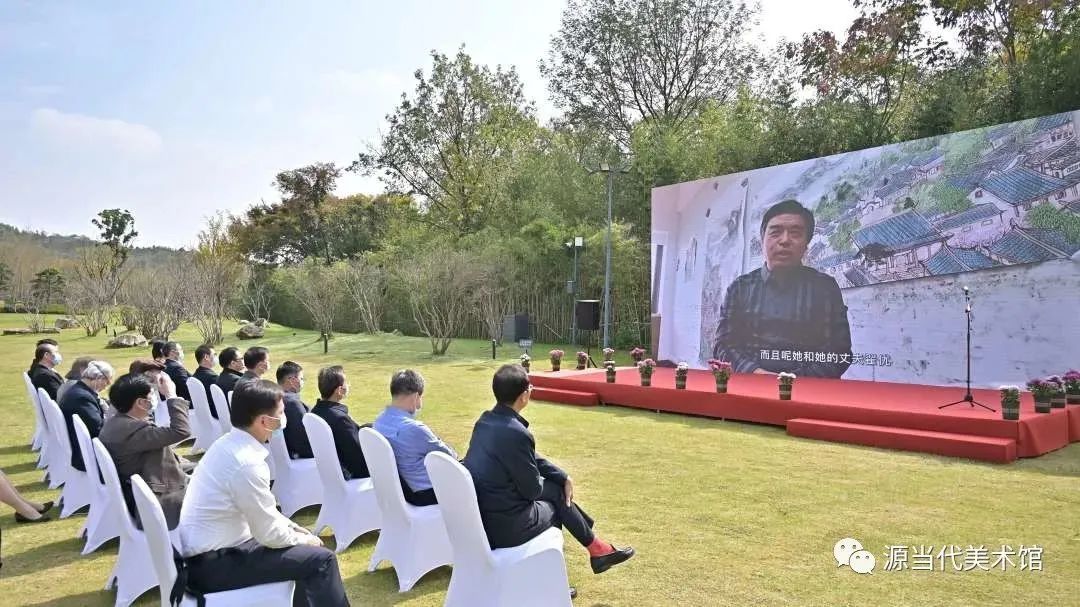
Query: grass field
x,y
721,513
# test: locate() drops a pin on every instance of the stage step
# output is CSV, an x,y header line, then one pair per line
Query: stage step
x,y
984,448
566,397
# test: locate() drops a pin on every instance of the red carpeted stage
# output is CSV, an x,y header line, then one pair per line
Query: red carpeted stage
x,y
878,414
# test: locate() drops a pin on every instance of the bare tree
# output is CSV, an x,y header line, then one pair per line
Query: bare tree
x,y
366,284
255,293
159,299
96,280
440,287
317,287
215,272
492,297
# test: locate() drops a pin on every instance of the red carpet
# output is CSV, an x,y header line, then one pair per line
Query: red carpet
x,y
880,414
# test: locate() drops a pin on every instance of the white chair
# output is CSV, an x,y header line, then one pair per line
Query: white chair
x,y
161,554
36,441
77,491
348,507
412,538
208,430
297,484
162,419
55,460
530,575
133,572
221,404
101,524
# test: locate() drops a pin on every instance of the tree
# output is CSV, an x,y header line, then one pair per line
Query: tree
x,y
454,141
117,230
317,287
366,284
840,240
256,294
306,189
995,26
492,294
5,278
48,285
440,285
97,277
214,276
160,300
615,63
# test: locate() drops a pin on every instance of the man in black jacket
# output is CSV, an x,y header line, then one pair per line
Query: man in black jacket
x,y
333,388
290,376
232,369
174,368
43,370
204,357
82,399
521,494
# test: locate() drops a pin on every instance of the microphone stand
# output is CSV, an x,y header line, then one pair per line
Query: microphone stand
x,y
968,398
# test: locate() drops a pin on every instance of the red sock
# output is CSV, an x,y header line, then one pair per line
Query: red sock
x,y
599,547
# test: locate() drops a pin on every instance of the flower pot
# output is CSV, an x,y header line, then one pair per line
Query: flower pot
x,y
721,386
556,365
646,381
680,383
526,365
1010,413
1072,399
1058,401
1042,406
610,377
785,392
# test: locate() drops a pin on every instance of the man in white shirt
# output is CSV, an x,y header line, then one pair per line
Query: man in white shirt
x,y
233,536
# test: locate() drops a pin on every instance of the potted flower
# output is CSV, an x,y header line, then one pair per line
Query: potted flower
x,y
786,381
1043,390
721,370
1057,401
637,354
609,354
681,371
1072,387
1010,402
582,360
646,368
609,370
556,359
526,360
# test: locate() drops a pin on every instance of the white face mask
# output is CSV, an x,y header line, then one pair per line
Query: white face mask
x,y
282,422
57,359
180,356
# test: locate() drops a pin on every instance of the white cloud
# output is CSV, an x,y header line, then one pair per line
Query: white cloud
x,y
92,132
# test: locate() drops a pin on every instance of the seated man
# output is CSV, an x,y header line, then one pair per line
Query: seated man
x,y
333,388
174,366
139,447
290,376
82,399
521,494
410,438
43,370
233,536
232,369
257,363
204,357
73,375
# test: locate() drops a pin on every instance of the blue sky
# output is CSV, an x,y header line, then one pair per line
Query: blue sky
x,y
180,110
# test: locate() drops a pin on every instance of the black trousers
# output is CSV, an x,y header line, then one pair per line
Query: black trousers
x,y
425,497
553,508
314,569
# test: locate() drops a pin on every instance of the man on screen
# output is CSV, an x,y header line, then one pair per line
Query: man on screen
x,y
785,307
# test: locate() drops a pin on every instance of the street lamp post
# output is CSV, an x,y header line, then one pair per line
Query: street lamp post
x,y
610,172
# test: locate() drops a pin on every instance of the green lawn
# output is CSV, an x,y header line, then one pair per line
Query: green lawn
x,y
721,513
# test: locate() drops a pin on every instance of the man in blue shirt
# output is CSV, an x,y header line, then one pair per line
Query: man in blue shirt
x,y
410,438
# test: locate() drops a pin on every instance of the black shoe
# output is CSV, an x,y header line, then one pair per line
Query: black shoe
x,y
573,593
22,519
601,564
47,506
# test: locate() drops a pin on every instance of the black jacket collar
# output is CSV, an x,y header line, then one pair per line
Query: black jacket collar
x,y
508,411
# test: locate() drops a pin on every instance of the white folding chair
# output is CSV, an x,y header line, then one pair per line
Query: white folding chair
x,y
36,441
221,403
348,507
161,554
101,524
297,484
133,572
412,538
77,491
162,419
208,430
530,575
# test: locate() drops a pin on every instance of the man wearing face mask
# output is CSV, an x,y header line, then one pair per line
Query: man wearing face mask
x,y
139,447
82,399
290,376
232,534
257,363
232,369
333,387
409,437
174,358
43,370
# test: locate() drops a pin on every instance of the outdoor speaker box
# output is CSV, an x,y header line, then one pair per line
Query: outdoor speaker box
x,y
516,327
587,313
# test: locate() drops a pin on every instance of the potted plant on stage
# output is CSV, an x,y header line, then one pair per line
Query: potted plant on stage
x,y
609,370
646,368
721,370
1072,387
681,371
1043,390
526,361
786,382
556,359
609,354
1010,402
1057,401
582,361
637,354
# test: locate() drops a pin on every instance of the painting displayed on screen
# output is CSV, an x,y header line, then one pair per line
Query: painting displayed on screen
x,y
853,266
